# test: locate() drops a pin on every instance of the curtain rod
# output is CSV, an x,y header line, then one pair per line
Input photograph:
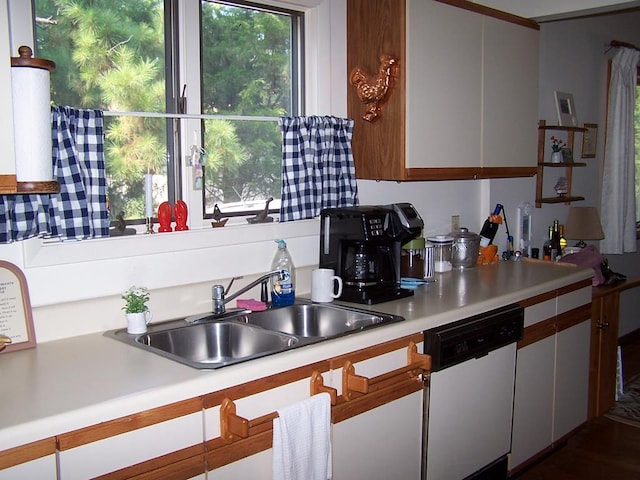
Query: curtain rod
x,y
618,43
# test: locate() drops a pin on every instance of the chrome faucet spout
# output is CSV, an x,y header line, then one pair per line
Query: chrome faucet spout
x,y
219,294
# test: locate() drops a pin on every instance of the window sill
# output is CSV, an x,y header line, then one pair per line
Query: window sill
x,y
102,267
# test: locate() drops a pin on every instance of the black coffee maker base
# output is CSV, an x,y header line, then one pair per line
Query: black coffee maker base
x,y
371,296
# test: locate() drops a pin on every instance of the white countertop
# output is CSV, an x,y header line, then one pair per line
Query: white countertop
x,y
72,383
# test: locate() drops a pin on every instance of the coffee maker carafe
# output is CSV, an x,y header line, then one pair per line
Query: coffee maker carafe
x,y
362,244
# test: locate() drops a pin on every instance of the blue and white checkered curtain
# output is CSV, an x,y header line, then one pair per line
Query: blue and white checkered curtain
x,y
79,211
317,166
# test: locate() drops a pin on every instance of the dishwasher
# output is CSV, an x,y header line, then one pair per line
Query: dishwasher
x,y
468,396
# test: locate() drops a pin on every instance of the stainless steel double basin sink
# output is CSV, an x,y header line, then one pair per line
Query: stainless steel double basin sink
x,y
209,342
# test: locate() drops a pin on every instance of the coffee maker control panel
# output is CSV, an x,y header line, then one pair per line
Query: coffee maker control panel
x,y
376,226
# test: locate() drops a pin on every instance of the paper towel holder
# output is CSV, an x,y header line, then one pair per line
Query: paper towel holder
x,y
26,59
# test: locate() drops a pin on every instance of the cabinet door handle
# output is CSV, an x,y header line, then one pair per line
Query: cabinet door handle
x,y
602,325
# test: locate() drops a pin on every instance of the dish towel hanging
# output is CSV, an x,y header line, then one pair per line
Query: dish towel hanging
x,y
317,166
79,211
301,440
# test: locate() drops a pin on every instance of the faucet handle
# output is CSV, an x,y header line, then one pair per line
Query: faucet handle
x,y
217,295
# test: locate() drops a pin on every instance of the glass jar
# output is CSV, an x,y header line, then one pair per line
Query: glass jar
x,y
412,258
441,252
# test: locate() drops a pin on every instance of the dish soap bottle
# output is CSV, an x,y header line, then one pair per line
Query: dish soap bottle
x,y
283,289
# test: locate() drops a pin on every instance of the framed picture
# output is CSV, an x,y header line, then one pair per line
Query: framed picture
x,y
16,320
589,140
567,155
566,109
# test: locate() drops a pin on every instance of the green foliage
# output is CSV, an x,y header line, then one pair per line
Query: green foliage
x,y
110,55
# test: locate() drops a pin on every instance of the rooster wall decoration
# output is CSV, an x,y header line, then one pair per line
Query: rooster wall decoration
x,y
374,90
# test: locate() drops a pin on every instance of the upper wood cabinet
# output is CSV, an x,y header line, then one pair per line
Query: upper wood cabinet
x,y
464,102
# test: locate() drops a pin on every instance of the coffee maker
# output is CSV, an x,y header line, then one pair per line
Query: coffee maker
x,y
362,244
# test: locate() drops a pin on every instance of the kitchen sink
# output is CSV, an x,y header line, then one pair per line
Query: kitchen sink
x,y
208,345
208,341
318,320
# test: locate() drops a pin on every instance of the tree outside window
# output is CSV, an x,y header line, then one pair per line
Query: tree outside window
x,y
112,55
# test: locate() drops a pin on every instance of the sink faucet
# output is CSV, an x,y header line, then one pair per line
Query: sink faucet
x,y
219,293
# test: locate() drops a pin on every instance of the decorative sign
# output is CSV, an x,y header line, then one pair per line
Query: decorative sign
x,y
16,320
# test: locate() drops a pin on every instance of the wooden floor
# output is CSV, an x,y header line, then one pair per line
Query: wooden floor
x,y
603,450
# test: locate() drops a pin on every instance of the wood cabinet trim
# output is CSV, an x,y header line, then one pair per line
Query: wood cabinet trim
x,y
603,290
375,351
543,297
263,384
574,286
182,463
26,453
128,423
492,12
573,317
538,331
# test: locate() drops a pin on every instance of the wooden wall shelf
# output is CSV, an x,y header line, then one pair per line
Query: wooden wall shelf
x,y
568,166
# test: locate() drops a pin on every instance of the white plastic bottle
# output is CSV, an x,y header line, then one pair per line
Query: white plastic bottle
x,y
283,289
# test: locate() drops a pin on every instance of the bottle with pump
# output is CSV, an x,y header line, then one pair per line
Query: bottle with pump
x,y
283,290
490,227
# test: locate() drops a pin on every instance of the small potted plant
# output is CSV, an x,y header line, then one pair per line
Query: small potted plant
x,y
136,309
556,150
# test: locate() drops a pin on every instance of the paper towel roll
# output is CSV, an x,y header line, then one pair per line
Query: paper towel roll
x,y
32,124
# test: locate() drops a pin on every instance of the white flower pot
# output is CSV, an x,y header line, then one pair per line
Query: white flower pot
x,y
556,157
137,322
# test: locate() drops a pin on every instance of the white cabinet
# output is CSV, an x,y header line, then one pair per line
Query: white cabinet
x,y
42,468
384,442
533,400
552,374
259,465
115,452
444,87
572,379
510,94
464,101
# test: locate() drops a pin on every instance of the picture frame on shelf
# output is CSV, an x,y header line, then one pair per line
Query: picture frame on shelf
x,y
589,140
567,155
566,109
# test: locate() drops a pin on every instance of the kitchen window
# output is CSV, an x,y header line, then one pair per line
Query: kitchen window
x,y
195,107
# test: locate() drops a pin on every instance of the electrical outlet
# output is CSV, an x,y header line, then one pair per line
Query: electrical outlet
x,y
455,223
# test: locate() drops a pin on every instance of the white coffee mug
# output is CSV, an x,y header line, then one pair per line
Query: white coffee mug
x,y
137,322
323,285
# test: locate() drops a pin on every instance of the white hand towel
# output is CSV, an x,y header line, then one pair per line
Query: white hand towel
x,y
301,440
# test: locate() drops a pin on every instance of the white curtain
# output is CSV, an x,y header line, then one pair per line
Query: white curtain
x,y
618,205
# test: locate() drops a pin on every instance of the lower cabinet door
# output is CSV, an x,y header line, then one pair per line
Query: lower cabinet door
x,y
382,443
533,400
42,468
572,379
137,446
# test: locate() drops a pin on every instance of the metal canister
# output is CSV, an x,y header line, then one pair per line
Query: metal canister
x,y
465,248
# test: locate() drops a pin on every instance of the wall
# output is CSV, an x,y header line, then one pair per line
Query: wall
x,y
573,59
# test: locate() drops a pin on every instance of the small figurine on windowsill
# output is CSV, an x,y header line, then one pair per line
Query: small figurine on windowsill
x,y
218,220
121,227
263,216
